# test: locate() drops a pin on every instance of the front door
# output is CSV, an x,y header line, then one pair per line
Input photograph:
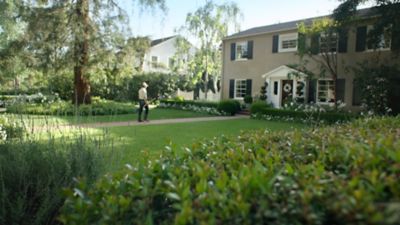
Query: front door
x,y
287,91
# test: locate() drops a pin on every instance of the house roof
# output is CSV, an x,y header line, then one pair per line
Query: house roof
x,y
159,41
362,13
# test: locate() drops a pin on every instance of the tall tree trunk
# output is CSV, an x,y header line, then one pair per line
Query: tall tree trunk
x,y
81,82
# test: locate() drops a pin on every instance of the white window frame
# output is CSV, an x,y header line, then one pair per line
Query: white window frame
x,y
322,36
236,88
288,37
382,42
154,63
327,92
242,44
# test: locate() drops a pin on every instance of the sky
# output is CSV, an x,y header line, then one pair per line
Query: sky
x,y
255,13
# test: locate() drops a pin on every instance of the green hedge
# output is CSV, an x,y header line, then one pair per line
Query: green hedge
x,y
190,102
259,111
335,175
230,107
98,107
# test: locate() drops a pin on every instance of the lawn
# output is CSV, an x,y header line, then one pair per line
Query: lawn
x,y
135,143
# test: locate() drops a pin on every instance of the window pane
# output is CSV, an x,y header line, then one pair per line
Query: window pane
x,y
240,88
326,91
241,50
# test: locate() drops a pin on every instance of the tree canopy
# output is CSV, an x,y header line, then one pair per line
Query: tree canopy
x,y
208,25
64,37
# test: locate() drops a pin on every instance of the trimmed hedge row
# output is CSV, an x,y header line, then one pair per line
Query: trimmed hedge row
x,y
329,117
99,107
257,178
191,102
230,107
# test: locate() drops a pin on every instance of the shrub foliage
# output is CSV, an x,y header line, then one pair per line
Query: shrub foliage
x,y
257,178
33,174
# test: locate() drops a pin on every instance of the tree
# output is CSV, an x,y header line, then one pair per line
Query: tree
x,y
75,33
319,42
209,24
389,21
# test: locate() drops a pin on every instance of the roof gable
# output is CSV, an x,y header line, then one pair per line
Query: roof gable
x,y
282,72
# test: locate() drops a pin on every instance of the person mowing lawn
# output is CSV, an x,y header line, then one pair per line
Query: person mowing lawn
x,y
143,103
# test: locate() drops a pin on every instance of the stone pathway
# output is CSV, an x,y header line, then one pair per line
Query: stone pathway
x,y
152,122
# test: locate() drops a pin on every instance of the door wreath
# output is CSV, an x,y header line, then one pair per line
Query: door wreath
x,y
287,87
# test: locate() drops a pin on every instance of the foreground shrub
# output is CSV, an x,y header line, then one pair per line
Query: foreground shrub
x,y
32,175
257,178
230,107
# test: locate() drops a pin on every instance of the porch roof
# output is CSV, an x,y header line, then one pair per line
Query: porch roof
x,y
282,72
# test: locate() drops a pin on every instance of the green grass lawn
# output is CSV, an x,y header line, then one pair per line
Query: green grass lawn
x,y
134,143
154,114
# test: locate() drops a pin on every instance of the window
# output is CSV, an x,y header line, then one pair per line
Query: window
x,y
241,50
383,41
154,61
325,93
275,87
288,42
240,88
328,42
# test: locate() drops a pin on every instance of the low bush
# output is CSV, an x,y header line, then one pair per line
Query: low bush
x,y
98,107
248,99
190,102
196,106
258,107
257,178
33,174
230,107
302,116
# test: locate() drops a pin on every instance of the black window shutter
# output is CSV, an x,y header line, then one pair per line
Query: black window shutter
x,y
314,48
275,43
312,90
356,93
340,89
248,87
231,88
361,38
395,42
250,49
343,41
301,42
233,51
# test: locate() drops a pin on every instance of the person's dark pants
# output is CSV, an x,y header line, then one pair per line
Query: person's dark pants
x,y
142,104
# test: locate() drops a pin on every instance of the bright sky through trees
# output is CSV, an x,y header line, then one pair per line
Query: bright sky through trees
x,y
256,13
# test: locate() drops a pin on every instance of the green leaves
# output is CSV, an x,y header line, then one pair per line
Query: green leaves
x,y
256,178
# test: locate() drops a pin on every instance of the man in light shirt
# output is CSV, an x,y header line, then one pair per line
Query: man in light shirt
x,y
143,103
